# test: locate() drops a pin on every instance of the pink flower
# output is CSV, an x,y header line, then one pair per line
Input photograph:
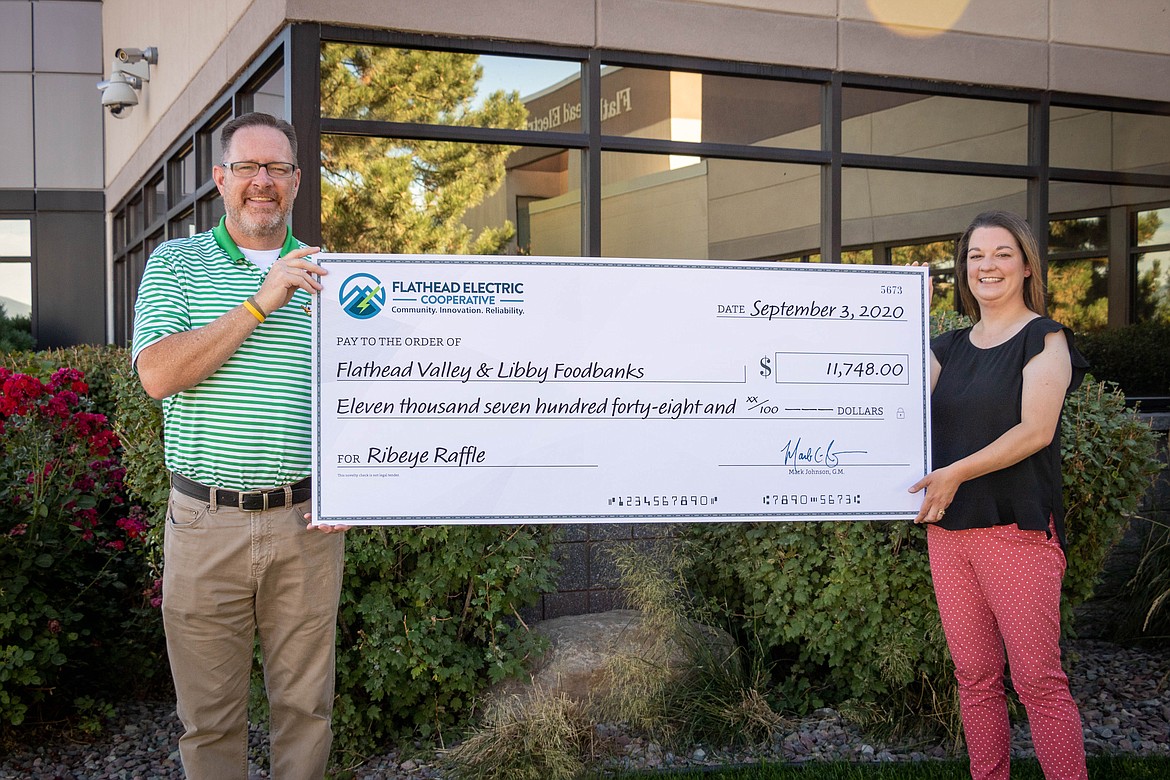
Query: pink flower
x,y
54,626
20,529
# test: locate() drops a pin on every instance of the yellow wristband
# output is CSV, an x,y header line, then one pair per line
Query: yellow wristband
x,y
250,305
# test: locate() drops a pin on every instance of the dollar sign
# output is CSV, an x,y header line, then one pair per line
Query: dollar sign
x,y
765,366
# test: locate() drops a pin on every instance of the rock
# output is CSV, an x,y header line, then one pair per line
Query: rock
x,y
582,647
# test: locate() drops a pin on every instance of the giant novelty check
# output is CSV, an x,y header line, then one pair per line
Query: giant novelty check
x,y
454,389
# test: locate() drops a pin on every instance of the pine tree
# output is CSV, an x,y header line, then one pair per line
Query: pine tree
x,y
407,196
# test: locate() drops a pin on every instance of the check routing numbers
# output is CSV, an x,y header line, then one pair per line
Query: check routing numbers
x,y
518,375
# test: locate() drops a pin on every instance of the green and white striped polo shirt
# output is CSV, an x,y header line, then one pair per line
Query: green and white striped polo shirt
x,y
248,425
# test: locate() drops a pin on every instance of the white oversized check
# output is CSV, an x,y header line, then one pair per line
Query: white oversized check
x,y
485,390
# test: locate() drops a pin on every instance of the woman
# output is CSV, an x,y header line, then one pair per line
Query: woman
x,y
993,501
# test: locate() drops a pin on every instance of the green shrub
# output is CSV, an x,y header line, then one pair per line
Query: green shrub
x,y
76,592
15,333
428,619
1135,357
847,611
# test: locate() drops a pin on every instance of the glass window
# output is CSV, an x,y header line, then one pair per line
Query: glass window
x,y
210,212
901,207
210,153
268,96
1153,227
121,302
182,226
857,256
443,197
674,105
154,200
15,267
134,221
1152,298
1109,140
940,256
16,288
15,238
182,174
653,206
445,88
904,124
1078,235
1078,293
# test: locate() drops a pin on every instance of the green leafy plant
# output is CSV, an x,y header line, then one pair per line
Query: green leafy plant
x,y
1135,357
15,333
429,617
846,612
75,591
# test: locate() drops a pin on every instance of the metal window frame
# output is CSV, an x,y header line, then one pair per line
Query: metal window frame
x,y
297,49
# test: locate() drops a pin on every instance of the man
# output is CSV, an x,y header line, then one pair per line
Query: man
x,y
221,335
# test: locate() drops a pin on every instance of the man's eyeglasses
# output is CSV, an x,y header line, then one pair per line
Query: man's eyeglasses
x,y
247,169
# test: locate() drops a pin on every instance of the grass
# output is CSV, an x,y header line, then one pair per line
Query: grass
x,y
1100,768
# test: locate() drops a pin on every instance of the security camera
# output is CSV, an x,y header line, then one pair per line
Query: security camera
x,y
150,54
118,95
127,73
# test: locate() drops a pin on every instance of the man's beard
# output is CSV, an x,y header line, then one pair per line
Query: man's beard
x,y
258,226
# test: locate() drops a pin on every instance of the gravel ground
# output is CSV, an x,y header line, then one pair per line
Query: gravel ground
x,y
1123,693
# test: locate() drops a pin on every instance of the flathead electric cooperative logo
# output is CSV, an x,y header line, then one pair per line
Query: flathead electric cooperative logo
x,y
362,296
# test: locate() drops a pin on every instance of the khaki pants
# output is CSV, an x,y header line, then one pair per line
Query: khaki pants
x,y
228,574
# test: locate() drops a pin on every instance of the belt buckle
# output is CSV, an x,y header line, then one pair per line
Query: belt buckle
x,y
248,494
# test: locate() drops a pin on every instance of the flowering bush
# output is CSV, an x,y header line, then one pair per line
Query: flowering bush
x,y
73,573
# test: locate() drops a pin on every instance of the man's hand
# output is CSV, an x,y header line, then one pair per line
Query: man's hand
x,y
325,529
287,275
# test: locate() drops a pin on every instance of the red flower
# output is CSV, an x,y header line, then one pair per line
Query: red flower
x,y
20,529
54,626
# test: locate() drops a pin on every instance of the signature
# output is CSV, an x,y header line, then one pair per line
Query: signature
x,y
796,453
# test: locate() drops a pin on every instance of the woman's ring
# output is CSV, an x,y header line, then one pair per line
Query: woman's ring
x,y
941,512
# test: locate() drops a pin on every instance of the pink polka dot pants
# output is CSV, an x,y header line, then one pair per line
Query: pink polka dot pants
x,y
999,588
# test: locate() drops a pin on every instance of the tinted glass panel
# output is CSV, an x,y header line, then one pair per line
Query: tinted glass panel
x,y
447,88
15,238
687,106
183,226
1152,298
685,207
1109,140
903,124
16,289
1078,293
1078,235
940,256
1153,227
269,95
394,195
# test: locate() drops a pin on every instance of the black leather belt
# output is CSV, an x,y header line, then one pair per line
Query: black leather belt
x,y
246,500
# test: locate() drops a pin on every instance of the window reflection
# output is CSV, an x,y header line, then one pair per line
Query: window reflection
x,y
406,196
1153,227
268,97
900,207
1078,293
1076,235
1152,299
714,209
904,124
1109,140
697,107
940,257
431,87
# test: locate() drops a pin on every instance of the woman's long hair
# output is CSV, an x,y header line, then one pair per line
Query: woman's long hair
x,y
1034,292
